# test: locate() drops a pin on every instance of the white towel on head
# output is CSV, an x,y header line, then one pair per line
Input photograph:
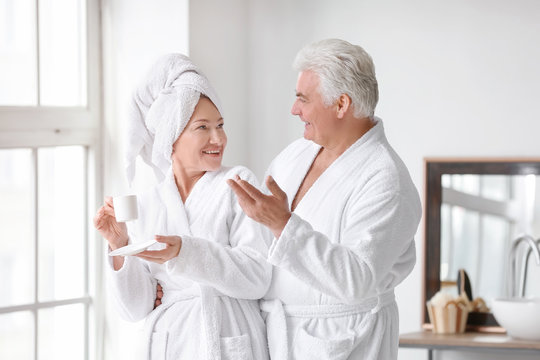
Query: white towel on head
x,y
160,109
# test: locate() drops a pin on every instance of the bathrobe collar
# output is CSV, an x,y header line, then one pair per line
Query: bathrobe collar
x,y
200,197
176,221
340,167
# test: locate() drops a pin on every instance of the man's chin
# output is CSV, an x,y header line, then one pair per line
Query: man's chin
x,y
308,136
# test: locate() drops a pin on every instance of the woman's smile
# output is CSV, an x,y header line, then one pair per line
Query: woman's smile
x,y
213,153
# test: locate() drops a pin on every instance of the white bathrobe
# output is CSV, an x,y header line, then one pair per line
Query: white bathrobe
x,y
209,308
348,243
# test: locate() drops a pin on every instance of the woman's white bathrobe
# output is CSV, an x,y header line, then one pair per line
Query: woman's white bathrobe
x,y
209,308
348,243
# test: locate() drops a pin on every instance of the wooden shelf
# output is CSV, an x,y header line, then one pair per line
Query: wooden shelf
x,y
468,341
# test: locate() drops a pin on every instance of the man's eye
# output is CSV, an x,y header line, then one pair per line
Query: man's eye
x,y
220,126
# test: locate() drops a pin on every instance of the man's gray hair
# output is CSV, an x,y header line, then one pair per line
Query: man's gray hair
x,y
343,68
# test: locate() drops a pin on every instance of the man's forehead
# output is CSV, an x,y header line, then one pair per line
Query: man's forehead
x,y
308,81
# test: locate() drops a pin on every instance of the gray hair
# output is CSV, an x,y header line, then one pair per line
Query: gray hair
x,y
343,68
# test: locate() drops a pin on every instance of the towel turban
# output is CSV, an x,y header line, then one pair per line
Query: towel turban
x,y
160,110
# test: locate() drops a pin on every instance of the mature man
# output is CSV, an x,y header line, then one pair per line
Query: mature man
x,y
343,217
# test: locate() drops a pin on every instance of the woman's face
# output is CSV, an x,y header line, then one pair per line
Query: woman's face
x,y
200,146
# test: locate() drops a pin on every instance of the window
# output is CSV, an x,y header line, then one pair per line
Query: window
x,y
49,143
480,215
43,52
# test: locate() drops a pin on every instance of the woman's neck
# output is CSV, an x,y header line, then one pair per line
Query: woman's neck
x,y
185,180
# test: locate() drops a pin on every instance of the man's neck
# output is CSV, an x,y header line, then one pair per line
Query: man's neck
x,y
352,130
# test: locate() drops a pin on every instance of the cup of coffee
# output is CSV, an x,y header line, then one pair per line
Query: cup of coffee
x,y
125,208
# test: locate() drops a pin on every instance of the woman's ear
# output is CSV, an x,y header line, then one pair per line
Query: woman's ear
x,y
343,105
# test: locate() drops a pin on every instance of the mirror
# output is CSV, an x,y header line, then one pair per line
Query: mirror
x,y
474,209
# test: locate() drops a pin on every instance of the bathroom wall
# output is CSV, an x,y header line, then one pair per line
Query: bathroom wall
x,y
456,79
135,33
218,33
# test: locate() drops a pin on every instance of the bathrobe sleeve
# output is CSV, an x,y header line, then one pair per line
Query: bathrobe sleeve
x,y
239,270
133,288
374,253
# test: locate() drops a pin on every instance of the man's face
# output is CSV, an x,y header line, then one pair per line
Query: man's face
x,y
310,107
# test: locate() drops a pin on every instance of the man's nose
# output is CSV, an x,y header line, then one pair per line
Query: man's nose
x,y
295,110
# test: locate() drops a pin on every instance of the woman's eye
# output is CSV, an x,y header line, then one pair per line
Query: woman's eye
x,y
220,126
202,127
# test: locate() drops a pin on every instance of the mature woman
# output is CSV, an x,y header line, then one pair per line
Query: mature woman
x,y
209,258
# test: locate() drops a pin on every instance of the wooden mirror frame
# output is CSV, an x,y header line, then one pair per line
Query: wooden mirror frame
x,y
434,168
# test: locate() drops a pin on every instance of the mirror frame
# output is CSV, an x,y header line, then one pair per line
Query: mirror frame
x,y
434,168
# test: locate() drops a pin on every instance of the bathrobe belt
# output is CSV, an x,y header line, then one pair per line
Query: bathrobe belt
x,y
210,322
276,322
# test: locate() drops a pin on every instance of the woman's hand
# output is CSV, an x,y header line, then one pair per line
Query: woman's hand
x,y
105,222
172,249
159,295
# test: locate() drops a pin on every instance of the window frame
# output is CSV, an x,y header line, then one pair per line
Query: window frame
x,y
44,126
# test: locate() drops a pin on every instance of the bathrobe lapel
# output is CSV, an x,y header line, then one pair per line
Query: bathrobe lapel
x,y
335,178
178,223
291,180
202,195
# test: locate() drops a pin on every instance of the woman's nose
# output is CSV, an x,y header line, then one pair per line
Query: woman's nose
x,y
216,137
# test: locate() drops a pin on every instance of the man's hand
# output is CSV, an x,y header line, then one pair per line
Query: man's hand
x,y
269,210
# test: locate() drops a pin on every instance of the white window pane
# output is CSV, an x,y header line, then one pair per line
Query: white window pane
x,y
61,228
446,242
17,336
465,233
493,258
62,52
446,181
16,230
467,183
61,333
496,187
18,60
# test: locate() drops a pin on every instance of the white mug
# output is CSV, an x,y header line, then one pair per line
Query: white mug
x,y
125,208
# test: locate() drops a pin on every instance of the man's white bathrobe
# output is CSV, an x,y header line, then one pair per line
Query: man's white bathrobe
x,y
348,243
209,308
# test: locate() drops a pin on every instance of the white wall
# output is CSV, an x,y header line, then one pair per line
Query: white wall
x,y
457,78
218,44
135,34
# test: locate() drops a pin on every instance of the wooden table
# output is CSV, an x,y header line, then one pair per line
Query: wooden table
x,y
468,341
